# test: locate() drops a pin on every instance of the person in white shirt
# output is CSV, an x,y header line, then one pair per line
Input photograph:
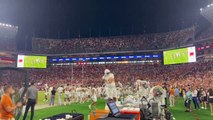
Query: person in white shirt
x,y
109,79
46,87
142,87
60,92
93,98
79,94
73,94
46,92
66,94
195,98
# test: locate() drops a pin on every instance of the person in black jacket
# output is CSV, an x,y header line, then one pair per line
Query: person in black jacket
x,y
52,97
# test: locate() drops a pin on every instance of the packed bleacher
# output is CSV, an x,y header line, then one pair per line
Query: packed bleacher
x,y
127,74
206,33
13,77
112,44
7,44
8,37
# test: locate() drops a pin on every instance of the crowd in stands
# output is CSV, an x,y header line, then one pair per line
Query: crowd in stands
x,y
206,34
8,38
7,44
13,77
113,43
194,73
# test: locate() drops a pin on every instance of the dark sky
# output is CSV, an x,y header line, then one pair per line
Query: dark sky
x,y
69,18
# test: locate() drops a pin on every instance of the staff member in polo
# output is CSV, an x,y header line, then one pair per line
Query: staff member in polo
x,y
32,99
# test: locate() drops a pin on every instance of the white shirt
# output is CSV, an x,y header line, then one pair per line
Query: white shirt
x,y
194,93
60,90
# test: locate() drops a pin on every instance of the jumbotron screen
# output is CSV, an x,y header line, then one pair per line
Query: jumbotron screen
x,y
26,61
177,56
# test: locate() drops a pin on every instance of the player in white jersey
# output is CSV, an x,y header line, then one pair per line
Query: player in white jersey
x,y
66,94
120,85
142,87
79,94
60,92
99,91
93,98
73,94
46,93
109,79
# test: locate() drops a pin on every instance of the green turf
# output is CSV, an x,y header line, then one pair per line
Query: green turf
x,y
178,111
81,108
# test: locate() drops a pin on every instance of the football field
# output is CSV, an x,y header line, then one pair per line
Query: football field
x,y
178,111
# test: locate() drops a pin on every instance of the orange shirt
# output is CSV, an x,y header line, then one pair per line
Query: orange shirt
x,y
5,102
172,92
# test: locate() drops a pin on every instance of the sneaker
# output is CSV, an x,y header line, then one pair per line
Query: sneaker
x,y
205,108
202,107
89,106
212,114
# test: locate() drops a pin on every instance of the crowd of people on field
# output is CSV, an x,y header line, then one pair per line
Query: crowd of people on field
x,y
113,43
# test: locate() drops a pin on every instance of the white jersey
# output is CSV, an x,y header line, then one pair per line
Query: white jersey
x,y
79,91
94,95
60,90
107,77
67,90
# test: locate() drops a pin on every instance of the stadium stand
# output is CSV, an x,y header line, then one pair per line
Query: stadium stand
x,y
112,44
206,34
8,37
125,73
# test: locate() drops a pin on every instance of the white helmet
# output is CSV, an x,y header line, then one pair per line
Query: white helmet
x,y
106,71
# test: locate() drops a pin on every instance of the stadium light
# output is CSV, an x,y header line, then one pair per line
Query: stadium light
x,y
8,25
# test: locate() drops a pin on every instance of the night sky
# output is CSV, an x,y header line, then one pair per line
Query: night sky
x,y
92,18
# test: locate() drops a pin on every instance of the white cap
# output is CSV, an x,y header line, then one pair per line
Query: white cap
x,y
106,71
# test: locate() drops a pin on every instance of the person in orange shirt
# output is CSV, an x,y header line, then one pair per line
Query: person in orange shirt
x,y
172,97
7,106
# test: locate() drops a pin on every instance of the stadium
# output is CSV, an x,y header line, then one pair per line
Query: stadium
x,y
80,60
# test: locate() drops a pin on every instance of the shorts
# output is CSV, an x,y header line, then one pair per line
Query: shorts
x,y
210,100
204,99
